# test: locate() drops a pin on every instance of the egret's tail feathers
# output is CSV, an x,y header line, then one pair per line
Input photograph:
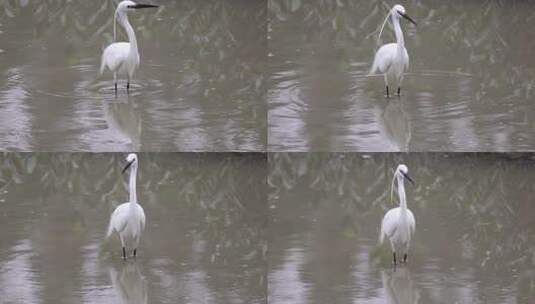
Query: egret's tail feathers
x,y
110,230
102,65
374,67
381,236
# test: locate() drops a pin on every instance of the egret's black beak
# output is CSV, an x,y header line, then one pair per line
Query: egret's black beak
x,y
407,177
142,6
127,166
408,18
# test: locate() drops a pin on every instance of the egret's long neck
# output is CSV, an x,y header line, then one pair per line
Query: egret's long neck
x,y
133,174
401,192
130,33
399,33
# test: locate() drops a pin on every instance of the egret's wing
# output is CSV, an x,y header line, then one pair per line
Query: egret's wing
x,y
406,55
389,224
385,56
142,217
412,221
386,65
115,55
119,217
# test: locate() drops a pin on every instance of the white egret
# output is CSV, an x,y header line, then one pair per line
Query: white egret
x,y
123,57
398,224
392,59
128,219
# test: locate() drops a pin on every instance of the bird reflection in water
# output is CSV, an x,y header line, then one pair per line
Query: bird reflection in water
x,y
397,125
128,283
399,287
125,120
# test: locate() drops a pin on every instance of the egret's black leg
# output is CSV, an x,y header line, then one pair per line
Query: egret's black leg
x,y
124,253
405,258
115,82
135,252
399,91
128,86
394,258
387,94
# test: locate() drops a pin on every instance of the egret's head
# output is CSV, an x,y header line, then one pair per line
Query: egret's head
x,y
125,6
398,8
131,159
403,171
399,11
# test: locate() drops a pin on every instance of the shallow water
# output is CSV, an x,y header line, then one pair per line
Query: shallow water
x,y
199,86
475,229
469,87
204,241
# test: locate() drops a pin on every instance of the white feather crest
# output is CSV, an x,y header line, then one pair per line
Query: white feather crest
x,y
384,22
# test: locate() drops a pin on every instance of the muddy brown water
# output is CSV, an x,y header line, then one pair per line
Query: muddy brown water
x,y
474,240
204,241
469,87
199,86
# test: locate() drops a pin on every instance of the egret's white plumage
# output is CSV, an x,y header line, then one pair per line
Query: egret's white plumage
x,y
123,57
128,219
392,59
398,224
